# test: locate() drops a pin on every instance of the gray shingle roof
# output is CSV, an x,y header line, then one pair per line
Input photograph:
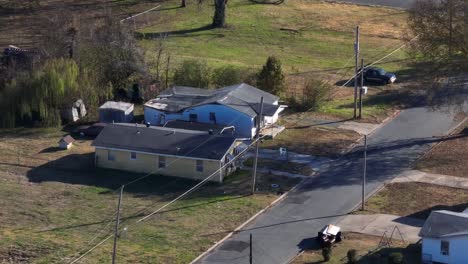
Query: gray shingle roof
x,y
444,224
241,97
165,141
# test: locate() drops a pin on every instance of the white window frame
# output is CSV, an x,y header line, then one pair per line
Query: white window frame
x,y
199,166
161,161
131,155
110,155
445,251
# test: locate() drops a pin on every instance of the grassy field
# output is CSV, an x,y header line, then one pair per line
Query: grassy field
x,y
305,137
417,199
322,37
286,166
367,248
55,202
448,157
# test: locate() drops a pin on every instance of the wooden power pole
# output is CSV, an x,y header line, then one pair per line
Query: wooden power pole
x,y
117,222
356,57
361,88
250,253
257,138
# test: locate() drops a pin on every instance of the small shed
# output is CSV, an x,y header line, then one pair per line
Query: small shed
x,y
66,142
118,112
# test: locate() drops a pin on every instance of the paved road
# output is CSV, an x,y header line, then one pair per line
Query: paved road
x,y
281,232
390,3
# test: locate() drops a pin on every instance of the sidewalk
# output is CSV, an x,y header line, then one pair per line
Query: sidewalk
x,y
377,224
438,179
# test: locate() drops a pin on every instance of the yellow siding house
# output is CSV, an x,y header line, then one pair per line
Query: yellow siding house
x,y
165,151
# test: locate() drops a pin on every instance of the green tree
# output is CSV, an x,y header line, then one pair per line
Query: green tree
x,y
352,256
39,97
271,77
229,75
395,258
192,73
326,253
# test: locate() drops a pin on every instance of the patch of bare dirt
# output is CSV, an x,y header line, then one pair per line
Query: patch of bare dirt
x,y
22,254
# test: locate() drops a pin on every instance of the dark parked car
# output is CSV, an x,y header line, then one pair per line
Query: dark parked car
x,y
90,131
373,74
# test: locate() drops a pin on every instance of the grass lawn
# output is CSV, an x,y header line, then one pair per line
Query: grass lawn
x,y
309,139
448,157
55,202
416,199
286,166
324,38
367,251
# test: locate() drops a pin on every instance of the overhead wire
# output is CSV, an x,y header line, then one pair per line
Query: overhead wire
x,y
194,188
158,169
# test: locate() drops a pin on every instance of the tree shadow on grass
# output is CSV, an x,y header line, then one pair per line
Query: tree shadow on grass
x,y
142,213
80,169
156,35
411,254
424,214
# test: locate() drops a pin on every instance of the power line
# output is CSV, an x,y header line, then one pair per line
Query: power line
x,y
141,13
194,188
155,171
379,60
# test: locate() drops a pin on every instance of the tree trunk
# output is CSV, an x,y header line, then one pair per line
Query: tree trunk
x,y
219,14
184,3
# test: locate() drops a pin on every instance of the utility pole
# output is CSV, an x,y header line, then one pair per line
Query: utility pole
x,y
364,174
167,71
450,3
117,222
257,138
360,88
356,55
250,254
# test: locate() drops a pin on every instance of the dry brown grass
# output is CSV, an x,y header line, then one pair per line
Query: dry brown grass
x,y
449,157
367,251
22,22
390,23
318,141
417,199
54,202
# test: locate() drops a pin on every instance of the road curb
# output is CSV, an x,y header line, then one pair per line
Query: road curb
x,y
360,139
238,229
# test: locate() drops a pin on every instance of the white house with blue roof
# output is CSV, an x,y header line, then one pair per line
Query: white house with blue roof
x,y
237,105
